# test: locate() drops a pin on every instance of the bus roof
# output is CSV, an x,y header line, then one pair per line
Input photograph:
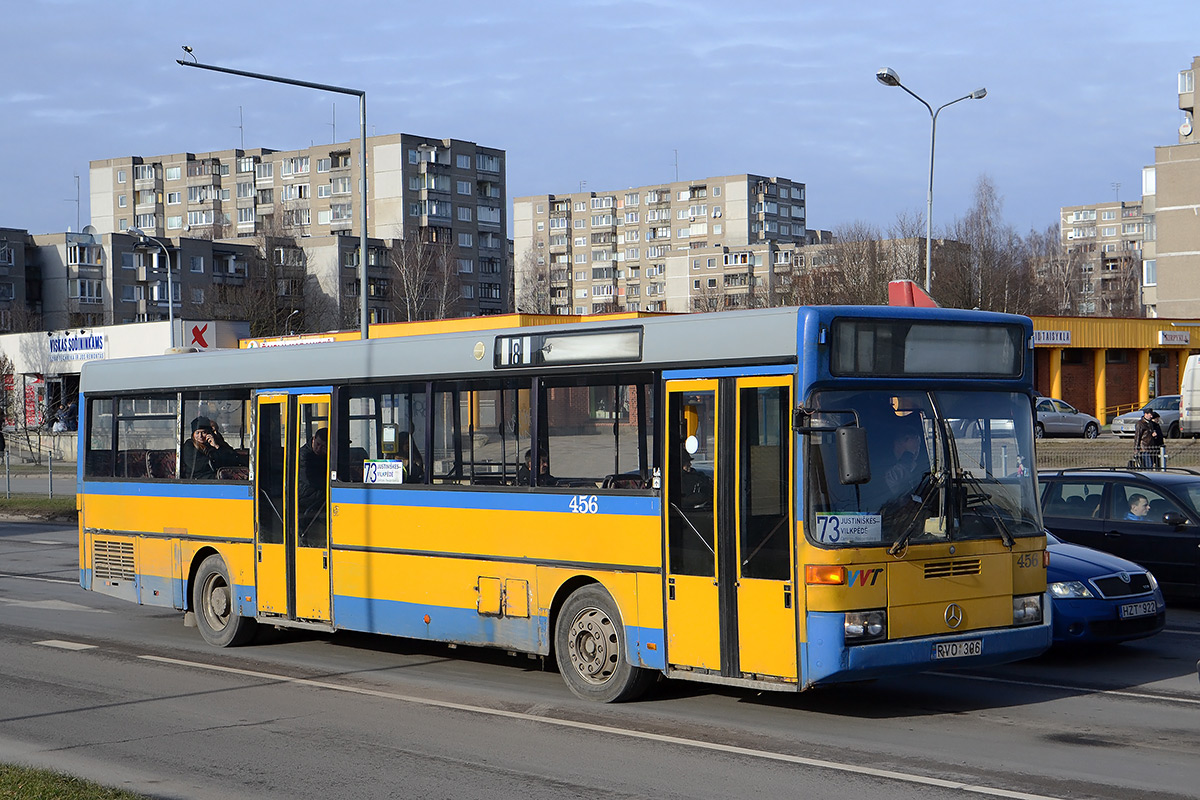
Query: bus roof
x,y
742,338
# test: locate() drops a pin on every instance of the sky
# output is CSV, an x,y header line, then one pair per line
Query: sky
x,y
608,94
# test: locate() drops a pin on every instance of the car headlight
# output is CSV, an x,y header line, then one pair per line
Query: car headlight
x,y
1027,609
1153,581
865,626
1071,589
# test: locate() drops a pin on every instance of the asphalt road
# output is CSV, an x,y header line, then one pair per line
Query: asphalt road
x,y
128,696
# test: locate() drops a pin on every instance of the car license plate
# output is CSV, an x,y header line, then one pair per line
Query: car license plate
x,y
971,647
1142,609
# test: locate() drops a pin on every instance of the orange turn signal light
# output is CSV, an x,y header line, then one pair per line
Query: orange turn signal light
x,y
824,575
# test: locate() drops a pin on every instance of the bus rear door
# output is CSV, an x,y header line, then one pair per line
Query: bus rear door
x,y
731,606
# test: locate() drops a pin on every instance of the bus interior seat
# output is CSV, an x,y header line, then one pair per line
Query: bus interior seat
x,y
161,463
233,473
133,464
627,480
99,463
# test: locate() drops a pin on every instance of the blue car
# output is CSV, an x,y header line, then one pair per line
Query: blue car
x,y
1096,597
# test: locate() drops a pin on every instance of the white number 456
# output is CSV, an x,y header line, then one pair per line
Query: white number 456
x,y
584,504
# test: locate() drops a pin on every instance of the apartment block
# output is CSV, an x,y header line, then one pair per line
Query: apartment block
x,y
445,191
1171,198
20,283
1104,242
636,249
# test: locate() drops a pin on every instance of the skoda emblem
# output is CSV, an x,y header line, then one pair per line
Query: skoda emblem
x,y
1124,576
954,615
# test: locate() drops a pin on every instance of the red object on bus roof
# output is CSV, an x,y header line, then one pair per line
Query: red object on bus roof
x,y
907,293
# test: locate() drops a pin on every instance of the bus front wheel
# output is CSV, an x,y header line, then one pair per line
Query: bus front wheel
x,y
589,646
213,600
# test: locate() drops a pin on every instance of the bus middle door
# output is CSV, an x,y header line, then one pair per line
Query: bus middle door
x,y
292,506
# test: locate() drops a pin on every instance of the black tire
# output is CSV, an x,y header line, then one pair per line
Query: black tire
x,y
216,612
589,646
1039,431
1173,432
1091,431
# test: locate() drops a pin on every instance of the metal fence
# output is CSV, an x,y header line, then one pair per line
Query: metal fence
x,y
1111,452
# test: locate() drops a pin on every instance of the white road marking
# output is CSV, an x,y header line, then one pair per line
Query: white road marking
x,y
61,645
855,769
1069,688
37,578
52,605
1180,632
41,541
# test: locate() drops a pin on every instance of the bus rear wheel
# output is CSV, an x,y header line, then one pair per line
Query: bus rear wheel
x,y
589,646
213,601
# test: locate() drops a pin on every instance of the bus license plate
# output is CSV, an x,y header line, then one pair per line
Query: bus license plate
x,y
1142,609
971,647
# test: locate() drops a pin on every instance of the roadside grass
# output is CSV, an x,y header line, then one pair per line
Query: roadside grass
x,y
25,783
37,507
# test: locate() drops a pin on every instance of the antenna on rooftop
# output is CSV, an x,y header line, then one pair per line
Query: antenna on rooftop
x,y
76,201
677,165
1116,187
241,129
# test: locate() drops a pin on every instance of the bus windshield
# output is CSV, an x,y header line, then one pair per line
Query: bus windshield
x,y
943,465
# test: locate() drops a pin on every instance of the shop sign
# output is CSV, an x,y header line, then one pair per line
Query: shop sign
x,y
76,346
1058,338
1175,337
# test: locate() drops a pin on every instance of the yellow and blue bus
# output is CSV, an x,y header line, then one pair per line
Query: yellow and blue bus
x,y
775,499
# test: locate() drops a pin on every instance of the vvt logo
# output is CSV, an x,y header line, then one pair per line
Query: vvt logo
x,y
863,577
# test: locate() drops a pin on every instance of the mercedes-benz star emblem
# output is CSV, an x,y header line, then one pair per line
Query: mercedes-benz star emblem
x,y
954,615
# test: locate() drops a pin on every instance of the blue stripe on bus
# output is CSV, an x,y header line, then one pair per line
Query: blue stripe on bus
x,y
509,500
217,490
287,390
724,372
468,626
827,659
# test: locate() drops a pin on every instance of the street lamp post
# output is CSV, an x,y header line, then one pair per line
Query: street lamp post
x,y
145,237
362,121
888,77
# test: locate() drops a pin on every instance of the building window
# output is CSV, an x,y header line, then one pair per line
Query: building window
x,y
120,176
143,172
463,162
173,173
466,240
466,265
1150,271
323,165
147,221
487,163
85,291
197,263
174,198
464,215
175,223
264,170
122,201
1187,81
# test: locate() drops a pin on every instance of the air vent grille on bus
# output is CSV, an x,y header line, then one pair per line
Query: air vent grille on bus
x,y
112,560
951,569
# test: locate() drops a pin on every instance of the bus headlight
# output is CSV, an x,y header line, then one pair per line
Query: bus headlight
x,y
1027,609
865,626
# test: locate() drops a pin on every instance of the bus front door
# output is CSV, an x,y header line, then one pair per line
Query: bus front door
x,y
731,604
292,506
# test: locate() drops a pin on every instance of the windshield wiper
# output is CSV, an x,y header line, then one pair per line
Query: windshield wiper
x,y
926,489
982,498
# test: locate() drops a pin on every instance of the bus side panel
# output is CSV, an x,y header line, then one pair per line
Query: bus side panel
x,y
474,571
142,546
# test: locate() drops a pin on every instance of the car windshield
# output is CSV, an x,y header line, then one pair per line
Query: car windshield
x,y
944,465
1162,403
1190,493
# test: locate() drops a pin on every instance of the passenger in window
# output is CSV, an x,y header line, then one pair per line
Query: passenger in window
x,y
206,452
544,477
697,487
314,470
1139,508
414,467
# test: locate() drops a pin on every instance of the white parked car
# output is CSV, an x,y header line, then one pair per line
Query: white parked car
x,y
1167,407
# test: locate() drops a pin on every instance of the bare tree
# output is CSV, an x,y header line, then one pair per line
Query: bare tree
x,y
532,285
425,278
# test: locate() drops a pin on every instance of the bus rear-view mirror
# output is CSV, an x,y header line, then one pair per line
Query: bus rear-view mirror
x,y
854,462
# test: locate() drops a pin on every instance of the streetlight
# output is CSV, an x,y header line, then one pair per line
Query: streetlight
x,y
362,121
287,327
144,237
888,77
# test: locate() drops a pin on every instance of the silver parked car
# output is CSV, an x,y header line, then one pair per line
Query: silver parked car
x,y
1167,407
1056,418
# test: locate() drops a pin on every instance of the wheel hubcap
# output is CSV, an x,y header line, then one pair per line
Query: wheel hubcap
x,y
593,645
217,602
